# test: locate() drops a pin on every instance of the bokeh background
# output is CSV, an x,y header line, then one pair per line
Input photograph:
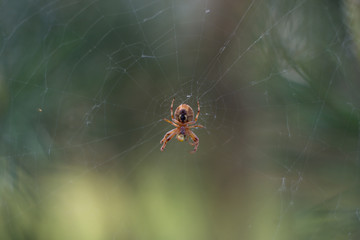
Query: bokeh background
x,y
84,86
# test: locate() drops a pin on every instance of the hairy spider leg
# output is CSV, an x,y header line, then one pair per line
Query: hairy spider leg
x,y
197,115
172,113
195,140
195,126
179,123
168,136
172,123
171,109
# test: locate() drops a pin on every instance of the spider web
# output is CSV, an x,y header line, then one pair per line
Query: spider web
x,y
85,85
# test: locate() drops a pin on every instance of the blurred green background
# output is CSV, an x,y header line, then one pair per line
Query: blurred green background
x,y
84,86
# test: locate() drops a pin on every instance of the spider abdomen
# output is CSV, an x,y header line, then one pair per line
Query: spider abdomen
x,y
184,113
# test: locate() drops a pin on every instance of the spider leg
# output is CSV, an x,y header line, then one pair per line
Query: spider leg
x,y
168,136
196,126
197,115
175,125
171,109
195,140
177,122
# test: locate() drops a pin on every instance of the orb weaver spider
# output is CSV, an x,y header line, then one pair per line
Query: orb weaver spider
x,y
182,121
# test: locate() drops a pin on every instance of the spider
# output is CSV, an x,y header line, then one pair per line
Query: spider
x,y
183,118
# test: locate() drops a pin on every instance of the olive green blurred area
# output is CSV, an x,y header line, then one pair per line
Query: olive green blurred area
x,y
84,86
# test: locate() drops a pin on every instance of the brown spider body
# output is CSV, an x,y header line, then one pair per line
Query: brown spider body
x,y
184,113
182,119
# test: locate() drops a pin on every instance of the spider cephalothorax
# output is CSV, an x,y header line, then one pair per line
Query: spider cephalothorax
x,y
181,119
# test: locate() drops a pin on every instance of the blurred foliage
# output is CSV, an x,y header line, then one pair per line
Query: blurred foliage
x,y
352,13
84,86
